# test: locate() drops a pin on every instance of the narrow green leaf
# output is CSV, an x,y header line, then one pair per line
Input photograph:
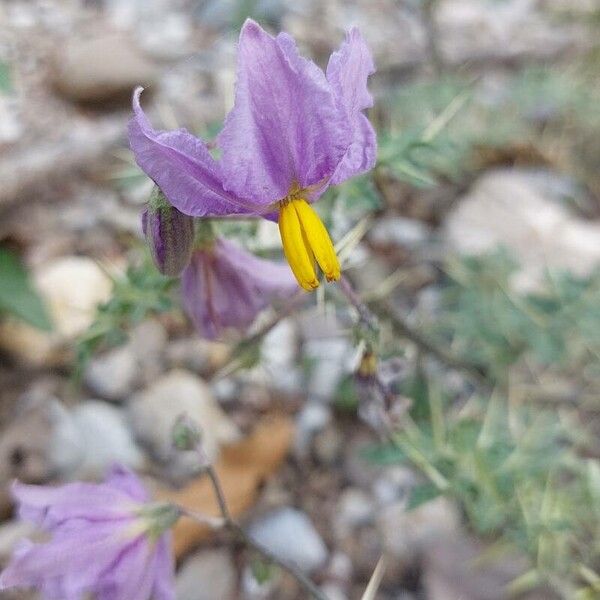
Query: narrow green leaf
x,y
421,494
17,296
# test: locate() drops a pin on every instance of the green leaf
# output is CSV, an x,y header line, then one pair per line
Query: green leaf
x,y
17,296
383,454
5,78
421,494
262,570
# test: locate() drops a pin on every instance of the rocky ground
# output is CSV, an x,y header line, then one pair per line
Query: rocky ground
x,y
70,200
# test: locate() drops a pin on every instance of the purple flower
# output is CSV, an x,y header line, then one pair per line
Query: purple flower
x,y
225,286
169,233
293,131
105,539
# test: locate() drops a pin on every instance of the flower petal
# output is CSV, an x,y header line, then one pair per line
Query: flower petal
x,y
285,127
164,573
181,166
131,576
347,73
124,479
226,286
72,561
46,505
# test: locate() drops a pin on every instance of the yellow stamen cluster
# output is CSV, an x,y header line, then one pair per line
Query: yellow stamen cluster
x,y
306,243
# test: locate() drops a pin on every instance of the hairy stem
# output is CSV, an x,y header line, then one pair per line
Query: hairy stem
x,y
401,327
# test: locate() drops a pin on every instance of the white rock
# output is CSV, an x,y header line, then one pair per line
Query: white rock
x,y
278,356
207,575
507,208
101,67
313,418
90,438
354,508
333,591
330,358
395,484
153,412
290,535
407,533
112,375
478,30
399,231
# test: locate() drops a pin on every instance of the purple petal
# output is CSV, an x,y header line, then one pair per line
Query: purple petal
x,y
181,166
46,506
71,561
125,480
225,286
131,577
285,127
164,572
347,73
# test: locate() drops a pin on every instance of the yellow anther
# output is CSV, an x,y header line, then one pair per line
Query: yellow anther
x,y
318,239
305,239
296,249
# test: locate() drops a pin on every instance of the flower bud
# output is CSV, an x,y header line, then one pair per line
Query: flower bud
x,y
169,233
185,434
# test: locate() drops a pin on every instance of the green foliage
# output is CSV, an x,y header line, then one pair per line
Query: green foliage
x,y
6,84
519,469
142,291
515,473
17,296
489,324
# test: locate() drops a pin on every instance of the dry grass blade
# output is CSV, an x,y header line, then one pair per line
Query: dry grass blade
x,y
375,581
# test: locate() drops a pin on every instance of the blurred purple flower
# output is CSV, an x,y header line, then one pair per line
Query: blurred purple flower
x,y
293,131
225,286
105,539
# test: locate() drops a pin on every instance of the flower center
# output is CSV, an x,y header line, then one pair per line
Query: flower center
x,y
306,243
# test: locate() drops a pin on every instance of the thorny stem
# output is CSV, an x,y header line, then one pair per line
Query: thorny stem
x,y
229,523
403,329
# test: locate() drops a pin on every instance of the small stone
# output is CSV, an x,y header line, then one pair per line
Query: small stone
x,y
207,575
395,484
101,68
333,591
104,439
313,418
279,351
399,231
406,533
329,446
472,30
290,535
330,358
354,509
452,570
154,411
26,441
112,375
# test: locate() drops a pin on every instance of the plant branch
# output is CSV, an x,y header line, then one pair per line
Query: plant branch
x,y
399,325
229,523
